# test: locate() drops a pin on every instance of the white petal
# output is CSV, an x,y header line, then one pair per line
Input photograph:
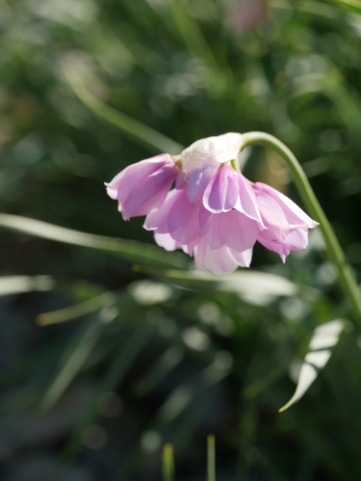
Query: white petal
x,y
219,149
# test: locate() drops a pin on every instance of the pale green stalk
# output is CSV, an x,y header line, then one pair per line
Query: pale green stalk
x,y
211,458
168,463
133,128
333,247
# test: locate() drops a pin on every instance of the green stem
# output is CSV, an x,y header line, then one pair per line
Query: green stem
x,y
211,458
168,463
333,247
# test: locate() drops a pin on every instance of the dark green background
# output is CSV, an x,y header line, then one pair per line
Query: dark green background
x,y
95,398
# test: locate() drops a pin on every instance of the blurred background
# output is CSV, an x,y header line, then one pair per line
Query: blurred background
x,y
103,362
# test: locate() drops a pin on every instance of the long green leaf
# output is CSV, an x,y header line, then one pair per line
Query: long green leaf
x,y
133,128
257,288
132,251
194,40
324,338
354,5
75,311
119,367
73,360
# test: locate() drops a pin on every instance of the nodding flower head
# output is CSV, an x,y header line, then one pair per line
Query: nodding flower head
x,y
213,213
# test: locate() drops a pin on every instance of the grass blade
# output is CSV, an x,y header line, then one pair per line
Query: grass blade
x,y
211,458
73,312
133,128
168,463
353,5
131,251
324,338
74,358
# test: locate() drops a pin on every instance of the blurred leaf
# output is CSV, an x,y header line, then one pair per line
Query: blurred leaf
x,y
132,251
73,312
133,128
193,38
10,285
257,288
73,360
129,350
324,338
161,368
354,5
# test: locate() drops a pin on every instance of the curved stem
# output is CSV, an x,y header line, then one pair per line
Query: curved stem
x,y
333,247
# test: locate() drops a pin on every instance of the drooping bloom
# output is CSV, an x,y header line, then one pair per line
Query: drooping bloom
x,y
143,186
213,213
287,224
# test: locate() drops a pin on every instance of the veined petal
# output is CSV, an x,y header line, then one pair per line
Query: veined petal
x,y
197,181
247,202
205,219
128,178
231,229
218,261
296,240
183,219
147,195
296,217
157,219
221,194
143,186
287,224
238,231
176,219
273,216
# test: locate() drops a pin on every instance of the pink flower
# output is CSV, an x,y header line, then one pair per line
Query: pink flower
x,y
245,15
287,224
143,186
214,213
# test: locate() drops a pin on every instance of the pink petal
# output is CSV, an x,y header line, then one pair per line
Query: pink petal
x,y
231,229
272,215
180,180
143,186
128,178
157,219
169,244
295,241
166,241
247,202
205,219
287,224
218,261
221,193
183,220
244,258
238,231
148,195
295,215
198,179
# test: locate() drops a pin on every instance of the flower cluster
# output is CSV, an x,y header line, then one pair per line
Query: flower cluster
x,y
213,213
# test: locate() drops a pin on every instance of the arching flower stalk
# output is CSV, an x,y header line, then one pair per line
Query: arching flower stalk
x,y
213,213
